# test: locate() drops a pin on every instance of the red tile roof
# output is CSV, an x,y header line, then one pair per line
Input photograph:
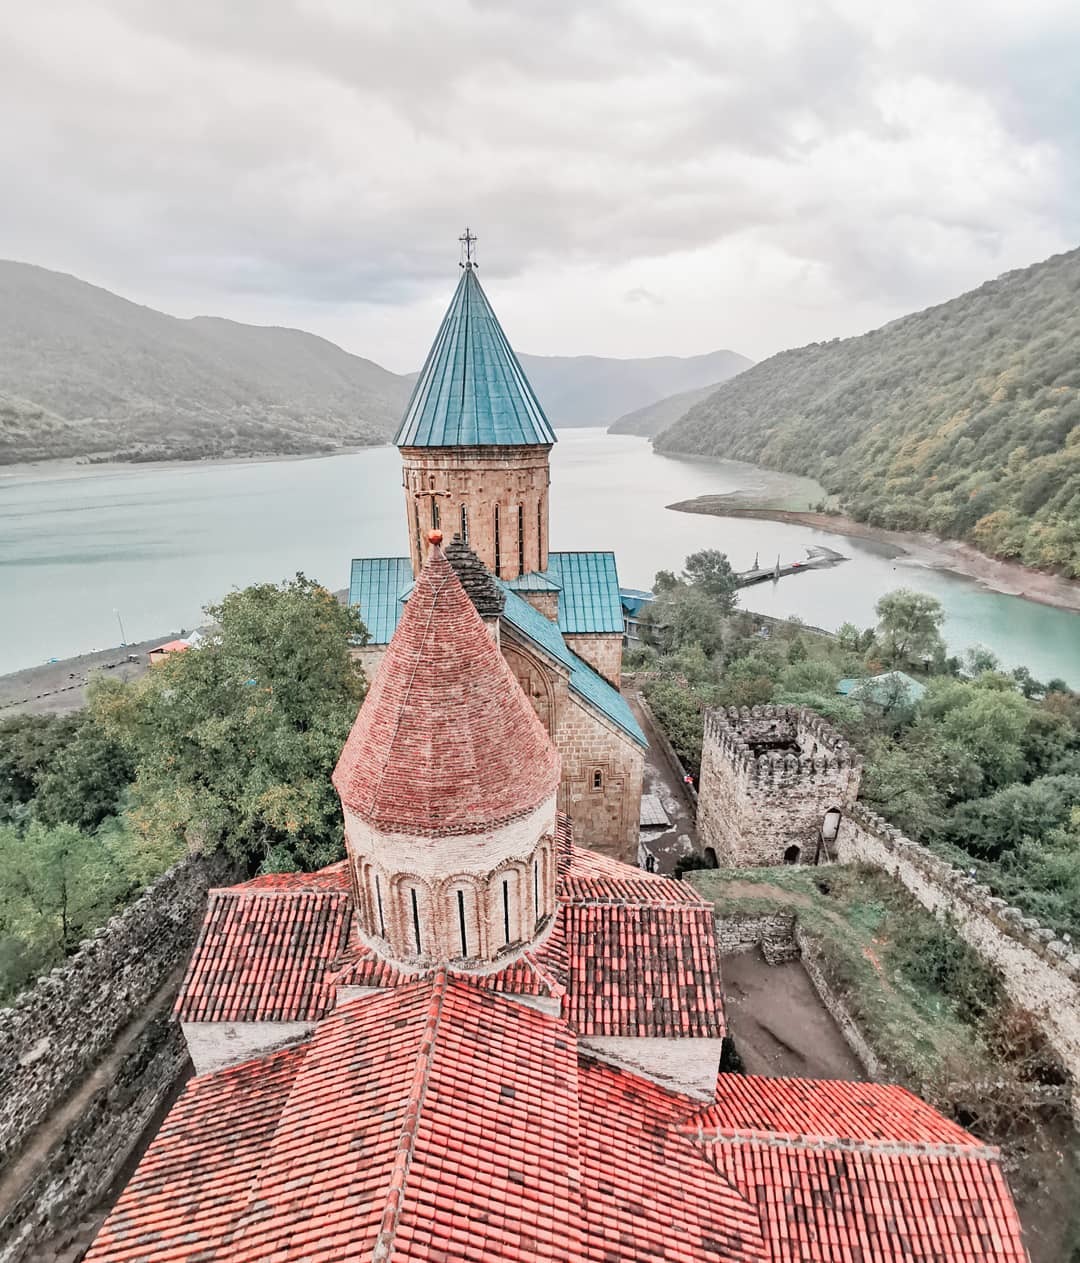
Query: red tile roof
x,y
643,970
857,1171
446,742
264,956
648,1193
628,953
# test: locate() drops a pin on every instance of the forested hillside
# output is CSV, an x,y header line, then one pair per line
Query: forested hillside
x,y
963,420
84,372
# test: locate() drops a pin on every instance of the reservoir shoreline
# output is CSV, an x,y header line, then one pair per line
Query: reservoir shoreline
x,y
1009,578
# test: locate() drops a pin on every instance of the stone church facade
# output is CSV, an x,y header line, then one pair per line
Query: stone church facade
x,y
475,447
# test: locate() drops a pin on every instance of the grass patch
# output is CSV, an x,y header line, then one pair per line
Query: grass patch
x,y
915,989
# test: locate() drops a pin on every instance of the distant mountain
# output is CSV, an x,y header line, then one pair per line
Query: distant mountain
x,y
590,390
653,418
84,372
963,419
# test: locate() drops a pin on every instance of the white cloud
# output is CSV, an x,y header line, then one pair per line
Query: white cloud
x,y
777,173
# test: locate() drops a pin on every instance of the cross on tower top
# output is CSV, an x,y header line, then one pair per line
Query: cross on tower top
x,y
468,241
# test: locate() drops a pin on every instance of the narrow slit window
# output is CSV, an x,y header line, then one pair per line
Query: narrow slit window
x,y
415,920
434,514
419,533
461,922
378,901
506,910
598,779
540,533
498,566
536,887
521,539
464,525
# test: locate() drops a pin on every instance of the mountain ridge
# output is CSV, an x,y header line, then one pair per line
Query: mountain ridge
x,y
87,373
962,420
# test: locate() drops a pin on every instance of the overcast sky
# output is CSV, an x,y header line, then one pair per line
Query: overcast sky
x,y
659,177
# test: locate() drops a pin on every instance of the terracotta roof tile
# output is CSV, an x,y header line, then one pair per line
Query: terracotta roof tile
x,y
648,1193
263,956
445,742
643,970
594,877
334,877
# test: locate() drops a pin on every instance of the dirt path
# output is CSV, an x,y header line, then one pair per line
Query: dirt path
x,y
1006,577
778,1022
665,846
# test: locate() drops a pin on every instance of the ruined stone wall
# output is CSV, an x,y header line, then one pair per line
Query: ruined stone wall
x,y
56,1032
1040,972
602,652
479,479
768,776
773,932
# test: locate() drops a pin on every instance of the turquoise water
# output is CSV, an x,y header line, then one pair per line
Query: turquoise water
x,y
156,544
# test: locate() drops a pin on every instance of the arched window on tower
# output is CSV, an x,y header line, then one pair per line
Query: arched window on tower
x,y
498,543
597,779
379,907
434,514
464,525
506,910
521,539
419,534
540,533
415,903
462,928
538,907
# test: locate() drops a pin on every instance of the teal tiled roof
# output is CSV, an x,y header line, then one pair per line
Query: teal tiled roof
x,y
380,586
472,391
589,600
534,581
376,585
584,681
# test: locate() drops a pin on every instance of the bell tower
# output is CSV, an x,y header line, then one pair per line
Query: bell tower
x,y
475,442
448,783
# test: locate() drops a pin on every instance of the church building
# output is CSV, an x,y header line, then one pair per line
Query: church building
x,y
475,447
474,1039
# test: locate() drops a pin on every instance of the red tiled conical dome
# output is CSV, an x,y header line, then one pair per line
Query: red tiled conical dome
x,y
446,742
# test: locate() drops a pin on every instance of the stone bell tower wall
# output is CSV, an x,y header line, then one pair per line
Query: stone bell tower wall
x,y
768,776
503,492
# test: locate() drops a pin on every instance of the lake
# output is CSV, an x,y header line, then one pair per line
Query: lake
x,y
83,549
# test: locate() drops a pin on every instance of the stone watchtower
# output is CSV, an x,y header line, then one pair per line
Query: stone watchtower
x,y
448,783
474,443
768,777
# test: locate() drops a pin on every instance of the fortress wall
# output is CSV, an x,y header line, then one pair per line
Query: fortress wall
x,y
55,1032
1040,972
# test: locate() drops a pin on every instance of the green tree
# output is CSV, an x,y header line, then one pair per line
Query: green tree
x,y
87,782
909,627
234,741
683,616
709,571
30,746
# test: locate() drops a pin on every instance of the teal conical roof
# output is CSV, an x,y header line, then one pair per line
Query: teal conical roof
x,y
472,391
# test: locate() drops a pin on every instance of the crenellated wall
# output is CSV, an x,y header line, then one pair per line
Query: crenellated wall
x,y
768,776
1040,972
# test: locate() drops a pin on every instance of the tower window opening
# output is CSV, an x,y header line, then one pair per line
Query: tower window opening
x,y
419,534
540,533
598,779
434,514
506,910
464,525
378,901
461,922
498,564
521,539
536,887
415,920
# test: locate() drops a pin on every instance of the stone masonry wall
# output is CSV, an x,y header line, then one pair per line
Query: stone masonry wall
x,y
1040,973
480,479
768,776
74,1178
602,653
56,1031
773,932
